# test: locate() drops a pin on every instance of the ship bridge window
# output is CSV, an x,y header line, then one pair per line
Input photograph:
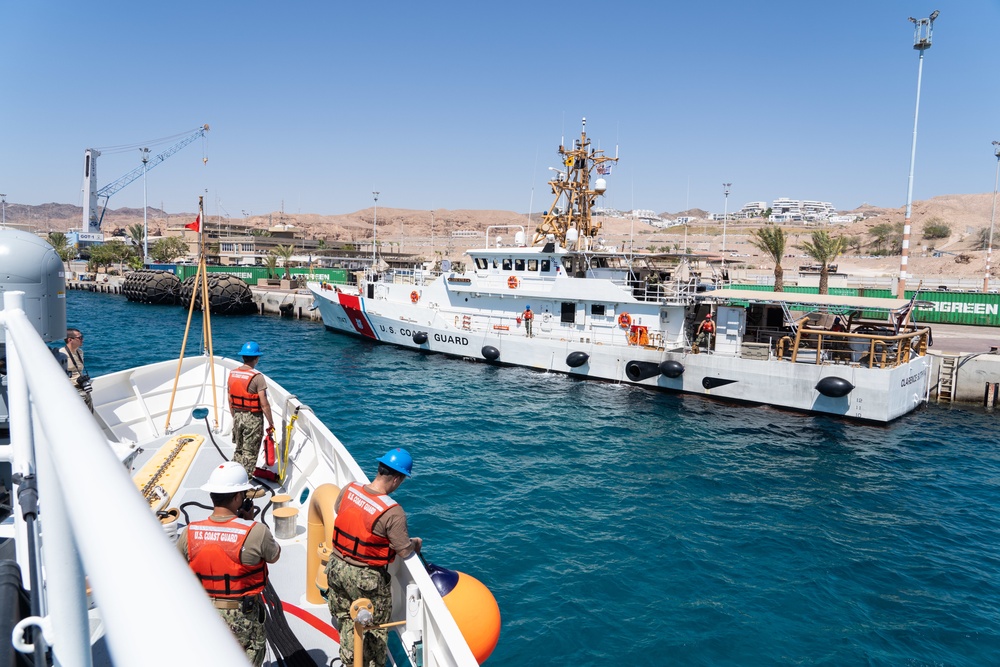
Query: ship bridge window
x,y
519,265
532,264
495,265
507,264
568,265
597,309
568,312
546,265
481,263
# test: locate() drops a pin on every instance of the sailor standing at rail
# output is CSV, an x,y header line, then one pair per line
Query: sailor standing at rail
x,y
368,533
229,552
249,405
705,332
528,317
71,357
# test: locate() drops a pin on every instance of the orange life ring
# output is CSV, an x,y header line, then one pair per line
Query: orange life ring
x,y
624,321
414,297
512,282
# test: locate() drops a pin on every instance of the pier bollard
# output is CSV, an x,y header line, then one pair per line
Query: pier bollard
x,y
285,522
280,500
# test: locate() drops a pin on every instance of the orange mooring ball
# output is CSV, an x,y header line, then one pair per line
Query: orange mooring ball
x,y
473,607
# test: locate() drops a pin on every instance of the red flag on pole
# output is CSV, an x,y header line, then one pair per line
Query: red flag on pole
x,y
196,225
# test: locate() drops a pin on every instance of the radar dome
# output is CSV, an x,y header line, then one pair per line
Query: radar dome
x,y
600,186
571,235
519,239
32,266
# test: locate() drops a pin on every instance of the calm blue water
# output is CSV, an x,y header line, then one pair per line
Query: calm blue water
x,y
619,526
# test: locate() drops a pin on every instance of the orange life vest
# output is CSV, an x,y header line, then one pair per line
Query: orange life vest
x,y
528,315
352,530
239,398
214,554
708,326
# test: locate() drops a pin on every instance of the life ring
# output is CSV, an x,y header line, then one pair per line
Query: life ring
x,y
624,321
414,297
512,282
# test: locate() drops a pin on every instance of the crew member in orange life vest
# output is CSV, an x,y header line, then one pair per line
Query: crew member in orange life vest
x,y
249,405
527,316
369,532
233,571
705,331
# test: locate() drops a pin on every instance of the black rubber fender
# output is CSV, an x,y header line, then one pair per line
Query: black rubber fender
x,y
577,359
641,370
490,353
834,387
671,368
419,337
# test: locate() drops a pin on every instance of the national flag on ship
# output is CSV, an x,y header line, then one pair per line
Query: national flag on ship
x,y
904,315
604,169
196,225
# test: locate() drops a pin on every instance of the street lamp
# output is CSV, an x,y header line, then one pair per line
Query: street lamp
x,y
3,205
725,219
374,228
993,216
922,32
145,208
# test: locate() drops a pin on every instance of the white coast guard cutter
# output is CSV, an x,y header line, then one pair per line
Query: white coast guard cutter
x,y
606,315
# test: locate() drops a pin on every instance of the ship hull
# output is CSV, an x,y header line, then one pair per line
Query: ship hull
x,y
874,394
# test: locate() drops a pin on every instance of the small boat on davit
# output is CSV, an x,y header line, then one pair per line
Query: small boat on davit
x,y
566,303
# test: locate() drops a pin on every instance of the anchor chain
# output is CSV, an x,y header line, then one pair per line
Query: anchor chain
x,y
150,486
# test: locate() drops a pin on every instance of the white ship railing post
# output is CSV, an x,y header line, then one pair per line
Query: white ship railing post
x,y
64,576
19,452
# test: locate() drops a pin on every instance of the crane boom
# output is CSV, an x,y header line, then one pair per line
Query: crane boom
x,y
91,220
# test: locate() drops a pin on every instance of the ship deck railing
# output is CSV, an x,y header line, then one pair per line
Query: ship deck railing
x,y
866,346
97,528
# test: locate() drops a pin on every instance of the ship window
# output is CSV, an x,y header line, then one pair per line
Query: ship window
x,y
546,266
519,265
481,263
507,264
568,314
568,265
597,309
495,264
532,264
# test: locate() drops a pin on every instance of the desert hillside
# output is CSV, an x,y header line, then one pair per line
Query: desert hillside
x,y
430,233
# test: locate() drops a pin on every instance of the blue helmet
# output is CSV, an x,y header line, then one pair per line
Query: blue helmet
x,y
399,460
250,349
528,307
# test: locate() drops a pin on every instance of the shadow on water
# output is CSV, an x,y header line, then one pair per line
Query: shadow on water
x,y
619,525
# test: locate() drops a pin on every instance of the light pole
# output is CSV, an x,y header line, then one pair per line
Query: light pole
x,y
145,208
374,228
3,205
993,216
922,31
725,219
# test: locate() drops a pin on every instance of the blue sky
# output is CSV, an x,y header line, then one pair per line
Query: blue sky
x,y
313,105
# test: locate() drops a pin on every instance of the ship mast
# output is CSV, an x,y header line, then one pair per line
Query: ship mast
x,y
573,184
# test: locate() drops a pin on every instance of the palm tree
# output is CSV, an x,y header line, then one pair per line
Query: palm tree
x,y
135,233
824,249
771,241
285,253
271,261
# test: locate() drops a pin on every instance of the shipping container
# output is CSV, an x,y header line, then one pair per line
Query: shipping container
x,y
932,307
251,274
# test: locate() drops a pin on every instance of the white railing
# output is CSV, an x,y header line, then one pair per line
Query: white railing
x,y
96,525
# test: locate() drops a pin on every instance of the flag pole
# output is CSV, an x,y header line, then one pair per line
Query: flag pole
x,y
187,328
206,309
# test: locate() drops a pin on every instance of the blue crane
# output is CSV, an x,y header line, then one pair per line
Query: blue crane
x,y
91,220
